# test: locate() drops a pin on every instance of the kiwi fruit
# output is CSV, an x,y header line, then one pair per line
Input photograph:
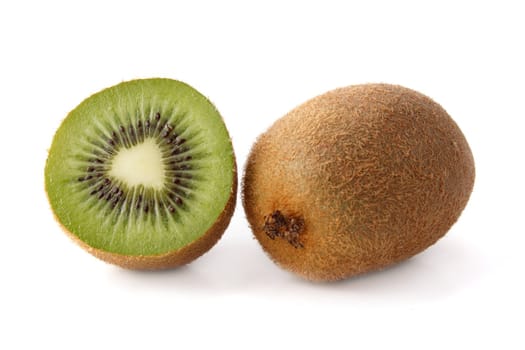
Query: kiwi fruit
x,y
143,174
355,180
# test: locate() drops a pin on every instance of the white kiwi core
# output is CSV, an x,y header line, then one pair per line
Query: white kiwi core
x,y
140,165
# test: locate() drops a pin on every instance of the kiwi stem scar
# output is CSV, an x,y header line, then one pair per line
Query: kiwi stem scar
x,y
287,227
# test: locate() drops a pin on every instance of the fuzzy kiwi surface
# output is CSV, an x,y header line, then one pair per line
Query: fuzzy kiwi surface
x,y
355,180
143,174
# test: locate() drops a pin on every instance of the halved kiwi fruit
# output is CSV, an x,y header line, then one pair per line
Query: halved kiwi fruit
x,y
143,174
355,180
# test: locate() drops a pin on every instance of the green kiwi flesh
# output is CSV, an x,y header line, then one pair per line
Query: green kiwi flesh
x,y
143,174
355,180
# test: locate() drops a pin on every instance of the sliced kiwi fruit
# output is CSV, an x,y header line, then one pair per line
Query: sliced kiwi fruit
x,y
143,174
355,180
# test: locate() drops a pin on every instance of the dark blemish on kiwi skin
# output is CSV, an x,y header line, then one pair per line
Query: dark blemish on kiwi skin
x,y
286,227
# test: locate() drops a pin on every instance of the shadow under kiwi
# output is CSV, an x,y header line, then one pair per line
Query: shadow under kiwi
x,y
232,265
240,266
440,271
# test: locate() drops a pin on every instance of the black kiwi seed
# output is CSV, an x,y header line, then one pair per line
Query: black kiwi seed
x,y
132,135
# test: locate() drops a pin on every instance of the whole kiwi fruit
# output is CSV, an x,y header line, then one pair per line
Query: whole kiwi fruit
x,y
355,180
143,174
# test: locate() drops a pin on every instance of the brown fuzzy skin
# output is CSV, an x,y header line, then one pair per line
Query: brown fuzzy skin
x,y
175,258
375,173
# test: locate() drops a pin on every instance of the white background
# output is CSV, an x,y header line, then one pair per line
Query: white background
x,y
256,62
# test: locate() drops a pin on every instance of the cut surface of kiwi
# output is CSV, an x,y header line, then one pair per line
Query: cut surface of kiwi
x,y
355,180
143,174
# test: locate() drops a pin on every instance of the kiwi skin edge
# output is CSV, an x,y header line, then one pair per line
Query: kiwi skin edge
x,y
174,258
